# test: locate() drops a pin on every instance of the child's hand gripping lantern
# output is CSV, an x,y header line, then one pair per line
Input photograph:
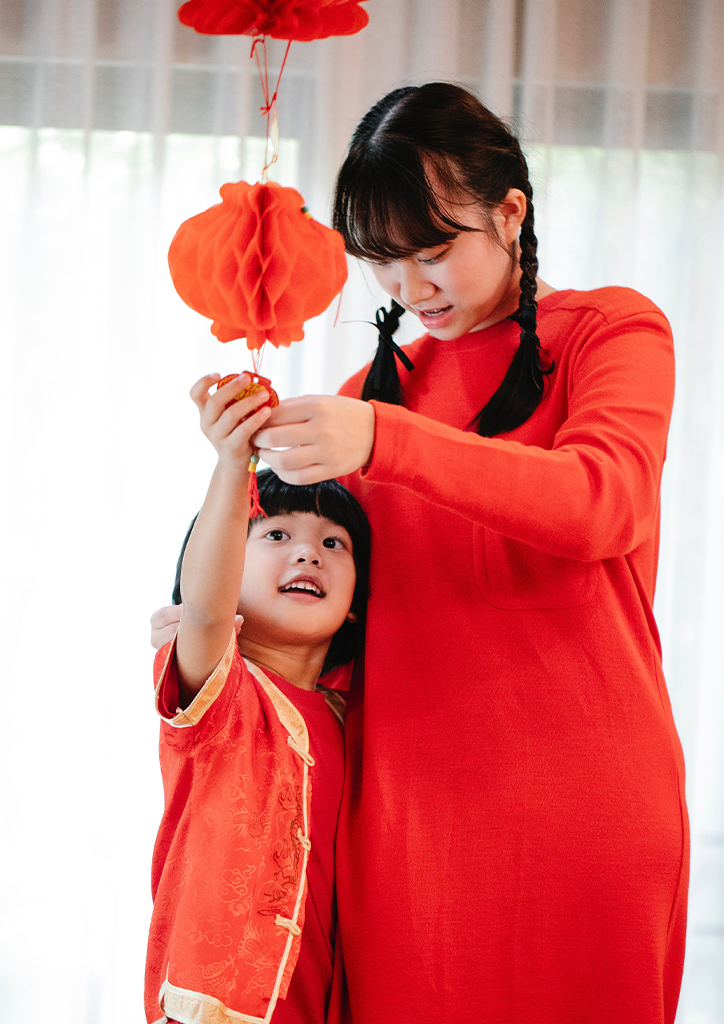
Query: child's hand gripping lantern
x,y
257,383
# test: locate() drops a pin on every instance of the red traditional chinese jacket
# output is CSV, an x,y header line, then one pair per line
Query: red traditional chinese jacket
x,y
230,861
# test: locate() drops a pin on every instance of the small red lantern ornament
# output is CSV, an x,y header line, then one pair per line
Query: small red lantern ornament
x,y
257,383
257,264
301,20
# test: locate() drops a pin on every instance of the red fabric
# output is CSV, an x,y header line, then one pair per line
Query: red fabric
x,y
513,837
257,265
229,858
281,19
309,989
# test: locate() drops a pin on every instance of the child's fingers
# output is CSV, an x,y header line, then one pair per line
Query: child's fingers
x,y
225,398
249,425
200,391
222,397
230,419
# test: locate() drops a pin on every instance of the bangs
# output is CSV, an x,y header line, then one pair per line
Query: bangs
x,y
386,206
327,499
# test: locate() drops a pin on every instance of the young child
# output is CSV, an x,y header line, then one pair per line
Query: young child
x,y
243,925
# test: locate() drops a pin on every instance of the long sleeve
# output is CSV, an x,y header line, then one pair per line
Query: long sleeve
x,y
594,493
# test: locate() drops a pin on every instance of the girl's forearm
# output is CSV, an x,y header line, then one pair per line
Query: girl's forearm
x,y
211,577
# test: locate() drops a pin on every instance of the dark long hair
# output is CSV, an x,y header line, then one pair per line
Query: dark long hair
x,y
330,500
386,208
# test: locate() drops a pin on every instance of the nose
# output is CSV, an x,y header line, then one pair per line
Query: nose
x,y
414,284
307,554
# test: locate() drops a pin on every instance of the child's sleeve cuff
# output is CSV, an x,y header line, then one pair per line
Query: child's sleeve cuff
x,y
167,688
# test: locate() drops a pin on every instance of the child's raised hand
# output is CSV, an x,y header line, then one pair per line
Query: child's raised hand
x,y
229,424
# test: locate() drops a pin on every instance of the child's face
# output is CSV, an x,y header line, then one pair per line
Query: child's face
x,y
299,579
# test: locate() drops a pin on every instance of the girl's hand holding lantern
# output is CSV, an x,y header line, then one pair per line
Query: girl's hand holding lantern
x,y
323,437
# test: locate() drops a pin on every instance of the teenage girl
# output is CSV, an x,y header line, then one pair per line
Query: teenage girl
x,y
513,842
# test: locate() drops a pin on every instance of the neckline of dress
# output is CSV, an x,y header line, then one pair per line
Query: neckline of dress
x,y
491,334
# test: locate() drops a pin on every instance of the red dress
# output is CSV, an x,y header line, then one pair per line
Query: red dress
x,y
513,837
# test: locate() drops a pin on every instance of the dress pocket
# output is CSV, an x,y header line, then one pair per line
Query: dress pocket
x,y
514,575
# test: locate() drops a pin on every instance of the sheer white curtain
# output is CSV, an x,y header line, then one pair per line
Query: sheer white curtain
x,y
116,123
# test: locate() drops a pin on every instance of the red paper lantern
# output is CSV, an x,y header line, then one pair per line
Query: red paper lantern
x,y
302,20
257,264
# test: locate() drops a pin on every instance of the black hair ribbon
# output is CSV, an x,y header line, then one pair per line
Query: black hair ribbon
x,y
387,321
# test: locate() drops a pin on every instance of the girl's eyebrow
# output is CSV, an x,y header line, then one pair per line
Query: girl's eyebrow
x,y
441,245
436,248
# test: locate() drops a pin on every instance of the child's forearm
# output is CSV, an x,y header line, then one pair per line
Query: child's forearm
x,y
211,577
214,559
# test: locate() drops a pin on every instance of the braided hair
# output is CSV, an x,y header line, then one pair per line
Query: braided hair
x,y
387,208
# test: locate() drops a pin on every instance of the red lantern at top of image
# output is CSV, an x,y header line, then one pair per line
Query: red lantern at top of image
x,y
302,20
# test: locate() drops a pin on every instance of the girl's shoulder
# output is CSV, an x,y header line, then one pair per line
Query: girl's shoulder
x,y
604,325
612,303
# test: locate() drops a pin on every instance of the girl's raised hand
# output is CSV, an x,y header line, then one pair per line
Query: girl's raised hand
x,y
230,429
325,436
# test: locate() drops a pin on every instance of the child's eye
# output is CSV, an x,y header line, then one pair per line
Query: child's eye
x,y
332,542
277,534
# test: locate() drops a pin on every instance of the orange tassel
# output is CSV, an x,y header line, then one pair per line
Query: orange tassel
x,y
255,509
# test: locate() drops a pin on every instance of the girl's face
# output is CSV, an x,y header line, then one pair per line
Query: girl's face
x,y
299,579
468,283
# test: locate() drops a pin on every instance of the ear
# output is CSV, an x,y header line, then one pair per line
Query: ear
x,y
510,214
351,617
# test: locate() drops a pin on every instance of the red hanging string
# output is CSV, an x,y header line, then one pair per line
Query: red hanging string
x,y
268,110
263,72
339,307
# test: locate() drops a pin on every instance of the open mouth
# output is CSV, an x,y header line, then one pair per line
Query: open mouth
x,y
433,316
306,587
